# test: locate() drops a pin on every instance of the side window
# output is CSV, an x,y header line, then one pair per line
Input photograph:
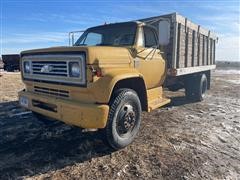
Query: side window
x,y
93,39
149,37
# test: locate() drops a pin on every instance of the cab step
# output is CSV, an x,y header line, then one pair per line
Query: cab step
x,y
156,103
156,98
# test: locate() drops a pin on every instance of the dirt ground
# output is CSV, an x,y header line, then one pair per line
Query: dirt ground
x,y
183,140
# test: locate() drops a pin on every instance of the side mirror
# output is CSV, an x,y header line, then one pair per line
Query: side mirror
x,y
164,32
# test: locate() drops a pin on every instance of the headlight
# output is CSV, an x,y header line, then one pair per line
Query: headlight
x,y
74,69
27,67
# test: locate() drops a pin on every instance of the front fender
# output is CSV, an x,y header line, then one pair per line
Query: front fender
x,y
103,87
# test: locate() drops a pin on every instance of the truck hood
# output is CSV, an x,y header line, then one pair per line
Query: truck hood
x,y
94,54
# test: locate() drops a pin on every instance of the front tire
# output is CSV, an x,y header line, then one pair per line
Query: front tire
x,y
124,119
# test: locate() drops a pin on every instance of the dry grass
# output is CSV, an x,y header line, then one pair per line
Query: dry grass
x,y
10,84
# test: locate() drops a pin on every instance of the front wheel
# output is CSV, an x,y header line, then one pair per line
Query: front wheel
x,y
124,119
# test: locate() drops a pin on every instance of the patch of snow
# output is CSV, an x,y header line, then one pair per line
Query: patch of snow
x,y
21,113
234,81
230,71
13,73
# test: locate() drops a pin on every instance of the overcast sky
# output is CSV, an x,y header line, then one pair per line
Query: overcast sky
x,y
28,24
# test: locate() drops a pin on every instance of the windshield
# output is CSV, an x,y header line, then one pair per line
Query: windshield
x,y
121,34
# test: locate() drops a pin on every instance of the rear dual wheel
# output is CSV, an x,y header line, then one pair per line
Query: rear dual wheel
x,y
196,87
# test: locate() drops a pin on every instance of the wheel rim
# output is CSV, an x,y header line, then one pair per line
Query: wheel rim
x,y
204,88
126,120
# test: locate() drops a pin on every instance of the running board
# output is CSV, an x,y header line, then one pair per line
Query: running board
x,y
156,99
156,103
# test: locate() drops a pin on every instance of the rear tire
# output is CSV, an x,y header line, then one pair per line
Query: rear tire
x,y
124,119
196,87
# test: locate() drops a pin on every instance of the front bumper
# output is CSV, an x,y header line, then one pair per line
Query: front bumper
x,y
79,114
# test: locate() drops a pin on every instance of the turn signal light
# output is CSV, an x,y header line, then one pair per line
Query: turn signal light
x,y
96,71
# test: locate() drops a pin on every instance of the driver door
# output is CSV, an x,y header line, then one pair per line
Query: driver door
x,y
149,61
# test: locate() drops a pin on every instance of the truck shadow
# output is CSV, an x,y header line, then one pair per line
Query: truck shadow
x,y
179,101
28,147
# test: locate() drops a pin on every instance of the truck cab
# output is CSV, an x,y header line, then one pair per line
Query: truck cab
x,y
103,81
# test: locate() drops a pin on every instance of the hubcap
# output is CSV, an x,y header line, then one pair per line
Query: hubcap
x,y
204,88
126,120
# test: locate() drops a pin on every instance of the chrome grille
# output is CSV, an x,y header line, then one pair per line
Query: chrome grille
x,y
55,68
50,91
58,68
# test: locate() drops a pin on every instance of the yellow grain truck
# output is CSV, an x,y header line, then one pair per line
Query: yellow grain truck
x,y
113,72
